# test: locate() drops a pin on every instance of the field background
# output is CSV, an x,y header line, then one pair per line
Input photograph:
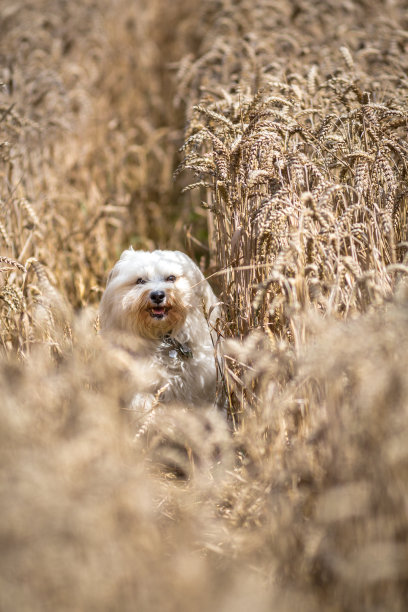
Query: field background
x,y
268,140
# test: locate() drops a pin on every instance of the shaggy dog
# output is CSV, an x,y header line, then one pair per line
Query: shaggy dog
x,y
163,300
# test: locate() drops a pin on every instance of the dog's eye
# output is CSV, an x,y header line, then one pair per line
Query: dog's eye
x,y
140,281
170,279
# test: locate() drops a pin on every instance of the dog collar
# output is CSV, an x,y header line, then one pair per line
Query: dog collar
x,y
176,348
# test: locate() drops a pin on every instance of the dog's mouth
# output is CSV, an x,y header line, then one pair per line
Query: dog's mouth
x,y
158,312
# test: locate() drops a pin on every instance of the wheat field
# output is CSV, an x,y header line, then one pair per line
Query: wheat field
x,y
268,140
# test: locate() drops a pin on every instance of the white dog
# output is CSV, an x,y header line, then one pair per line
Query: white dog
x,y
163,299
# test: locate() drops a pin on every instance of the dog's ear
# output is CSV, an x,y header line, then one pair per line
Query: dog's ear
x,y
110,275
127,254
114,272
201,285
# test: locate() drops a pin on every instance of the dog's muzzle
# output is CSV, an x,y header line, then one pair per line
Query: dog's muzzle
x,y
158,308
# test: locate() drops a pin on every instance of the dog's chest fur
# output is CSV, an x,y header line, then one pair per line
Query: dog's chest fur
x,y
185,370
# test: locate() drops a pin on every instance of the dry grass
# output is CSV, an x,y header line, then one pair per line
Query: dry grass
x,y
294,121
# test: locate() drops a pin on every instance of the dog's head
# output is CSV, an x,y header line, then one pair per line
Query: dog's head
x,y
151,293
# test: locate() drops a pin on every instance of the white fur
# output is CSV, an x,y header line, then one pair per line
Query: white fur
x,y
189,380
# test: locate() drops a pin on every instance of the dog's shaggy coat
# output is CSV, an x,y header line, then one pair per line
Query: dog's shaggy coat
x,y
163,299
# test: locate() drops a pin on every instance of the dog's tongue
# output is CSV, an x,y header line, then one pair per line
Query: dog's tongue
x,y
159,310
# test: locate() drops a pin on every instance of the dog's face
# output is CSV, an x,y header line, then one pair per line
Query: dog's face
x,y
150,294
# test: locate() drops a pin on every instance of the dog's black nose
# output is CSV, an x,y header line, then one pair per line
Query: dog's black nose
x,y
157,296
